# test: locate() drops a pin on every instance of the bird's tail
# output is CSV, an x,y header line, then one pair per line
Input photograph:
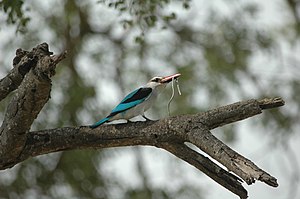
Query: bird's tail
x,y
99,122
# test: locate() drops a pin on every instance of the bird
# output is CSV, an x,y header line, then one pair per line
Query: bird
x,y
138,101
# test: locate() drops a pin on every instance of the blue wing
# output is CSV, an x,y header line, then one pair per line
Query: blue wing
x,y
131,100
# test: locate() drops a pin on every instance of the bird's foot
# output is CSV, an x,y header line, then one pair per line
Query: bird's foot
x,y
147,119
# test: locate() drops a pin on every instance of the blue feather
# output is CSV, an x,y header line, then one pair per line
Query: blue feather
x,y
99,122
131,100
125,106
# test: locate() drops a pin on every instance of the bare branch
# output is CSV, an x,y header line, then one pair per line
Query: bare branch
x,y
31,96
233,161
268,103
170,134
22,64
204,164
237,111
32,78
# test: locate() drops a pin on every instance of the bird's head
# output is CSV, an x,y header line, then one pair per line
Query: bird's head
x,y
161,81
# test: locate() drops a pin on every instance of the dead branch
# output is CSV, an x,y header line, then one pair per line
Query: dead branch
x,y
17,143
31,75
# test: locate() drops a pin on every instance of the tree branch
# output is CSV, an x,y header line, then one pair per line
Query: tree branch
x,y
17,143
237,111
34,71
170,134
233,161
22,64
204,164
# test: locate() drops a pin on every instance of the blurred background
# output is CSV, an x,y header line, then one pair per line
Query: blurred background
x,y
226,51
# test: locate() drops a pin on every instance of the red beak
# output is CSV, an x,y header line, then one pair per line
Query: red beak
x,y
169,78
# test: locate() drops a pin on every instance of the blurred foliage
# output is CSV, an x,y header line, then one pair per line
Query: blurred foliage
x,y
144,13
15,13
115,46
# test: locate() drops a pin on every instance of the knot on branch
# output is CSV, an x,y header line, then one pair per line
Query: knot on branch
x,y
19,54
25,60
46,66
42,49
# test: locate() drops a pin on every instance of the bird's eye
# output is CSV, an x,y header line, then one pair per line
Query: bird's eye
x,y
155,79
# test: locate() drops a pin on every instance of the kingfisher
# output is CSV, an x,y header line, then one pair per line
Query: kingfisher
x,y
138,101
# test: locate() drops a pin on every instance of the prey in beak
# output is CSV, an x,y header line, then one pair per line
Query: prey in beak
x,y
169,78
140,100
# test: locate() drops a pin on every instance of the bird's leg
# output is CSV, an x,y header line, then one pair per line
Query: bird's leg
x,y
147,119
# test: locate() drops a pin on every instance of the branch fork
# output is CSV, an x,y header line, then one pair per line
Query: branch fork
x,y
31,78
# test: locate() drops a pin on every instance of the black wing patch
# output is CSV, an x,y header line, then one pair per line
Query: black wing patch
x,y
140,94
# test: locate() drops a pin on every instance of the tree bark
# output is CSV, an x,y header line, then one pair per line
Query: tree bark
x,y
17,142
31,75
